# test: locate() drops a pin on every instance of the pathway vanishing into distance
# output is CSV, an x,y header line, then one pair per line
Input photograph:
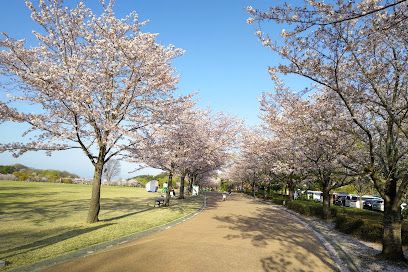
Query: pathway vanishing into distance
x,y
239,234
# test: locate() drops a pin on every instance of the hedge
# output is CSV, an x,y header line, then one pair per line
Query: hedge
x,y
273,197
309,208
365,227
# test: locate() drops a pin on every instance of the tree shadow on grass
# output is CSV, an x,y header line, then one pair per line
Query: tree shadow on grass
x,y
46,210
126,215
48,241
270,224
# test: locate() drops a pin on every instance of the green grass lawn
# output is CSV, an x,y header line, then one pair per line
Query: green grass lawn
x,y
44,220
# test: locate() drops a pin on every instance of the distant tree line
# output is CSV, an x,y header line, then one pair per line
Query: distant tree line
x,y
161,178
24,173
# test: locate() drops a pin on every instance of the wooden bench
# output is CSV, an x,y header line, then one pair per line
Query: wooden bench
x,y
159,201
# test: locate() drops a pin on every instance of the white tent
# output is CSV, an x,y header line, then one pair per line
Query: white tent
x,y
152,186
195,190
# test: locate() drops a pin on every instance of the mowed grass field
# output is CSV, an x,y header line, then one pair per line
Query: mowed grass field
x,y
44,220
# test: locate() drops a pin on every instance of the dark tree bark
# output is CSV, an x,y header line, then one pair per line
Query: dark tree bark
x,y
190,184
194,181
182,181
265,192
392,240
291,189
95,206
326,202
269,187
169,188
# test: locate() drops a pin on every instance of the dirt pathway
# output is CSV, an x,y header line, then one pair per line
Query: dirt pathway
x,y
239,234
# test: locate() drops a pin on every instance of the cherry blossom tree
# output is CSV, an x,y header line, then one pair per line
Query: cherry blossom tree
x,y
165,147
364,61
194,143
287,161
217,137
250,162
95,82
316,130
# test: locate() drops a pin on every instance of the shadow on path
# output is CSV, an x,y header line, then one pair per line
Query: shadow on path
x,y
270,226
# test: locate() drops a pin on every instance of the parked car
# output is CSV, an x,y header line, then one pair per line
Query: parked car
x,y
352,201
378,205
368,203
339,198
314,195
340,201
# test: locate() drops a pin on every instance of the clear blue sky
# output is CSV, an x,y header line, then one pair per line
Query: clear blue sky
x,y
224,62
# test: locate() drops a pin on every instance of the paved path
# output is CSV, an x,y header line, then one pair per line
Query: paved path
x,y
239,234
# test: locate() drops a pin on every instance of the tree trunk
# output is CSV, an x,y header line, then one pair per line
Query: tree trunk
x,y
253,189
182,179
326,202
392,242
291,195
96,193
291,189
361,201
190,184
265,192
169,187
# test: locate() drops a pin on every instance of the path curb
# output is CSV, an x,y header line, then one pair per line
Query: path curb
x,y
343,262
107,245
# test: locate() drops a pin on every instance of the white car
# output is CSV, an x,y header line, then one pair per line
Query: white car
x,y
352,201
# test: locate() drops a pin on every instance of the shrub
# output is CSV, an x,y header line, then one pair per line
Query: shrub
x,y
404,232
348,225
309,208
370,231
366,225
259,194
67,180
405,213
7,169
278,199
363,228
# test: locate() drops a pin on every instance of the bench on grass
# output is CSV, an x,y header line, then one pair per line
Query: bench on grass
x,y
159,201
